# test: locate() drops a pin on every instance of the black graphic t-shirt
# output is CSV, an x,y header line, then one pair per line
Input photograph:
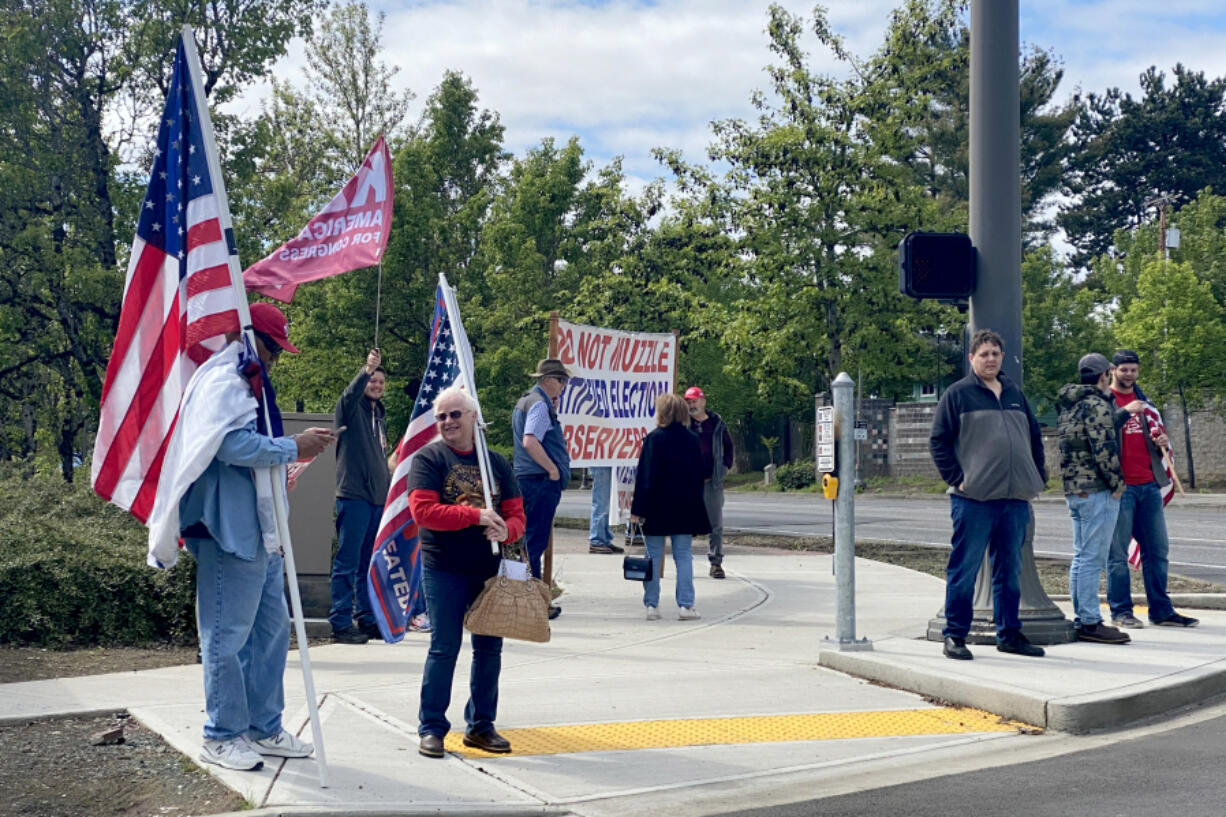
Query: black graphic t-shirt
x,y
457,480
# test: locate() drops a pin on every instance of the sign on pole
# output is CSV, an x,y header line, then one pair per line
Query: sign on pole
x,y
825,439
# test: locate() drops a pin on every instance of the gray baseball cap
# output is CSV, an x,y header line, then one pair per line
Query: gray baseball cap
x,y
1093,364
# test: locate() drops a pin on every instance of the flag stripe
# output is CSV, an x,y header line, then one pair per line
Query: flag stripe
x,y
178,297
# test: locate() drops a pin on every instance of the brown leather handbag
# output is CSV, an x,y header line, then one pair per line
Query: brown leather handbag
x,y
511,608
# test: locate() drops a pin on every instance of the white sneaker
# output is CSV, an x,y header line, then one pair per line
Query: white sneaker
x,y
420,623
689,614
282,745
234,753
653,613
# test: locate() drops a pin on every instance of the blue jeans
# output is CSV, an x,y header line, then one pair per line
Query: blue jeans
x,y
1141,517
244,640
998,527
448,597
598,531
683,560
357,522
541,497
1093,527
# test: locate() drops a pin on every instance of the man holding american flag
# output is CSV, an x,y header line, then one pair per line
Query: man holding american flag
x,y
1147,480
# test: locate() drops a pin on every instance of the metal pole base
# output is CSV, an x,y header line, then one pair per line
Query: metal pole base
x,y
1042,621
855,645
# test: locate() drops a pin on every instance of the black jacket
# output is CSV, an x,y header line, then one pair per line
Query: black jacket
x,y
668,483
991,446
361,455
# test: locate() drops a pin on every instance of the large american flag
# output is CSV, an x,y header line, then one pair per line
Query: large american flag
x,y
178,297
394,578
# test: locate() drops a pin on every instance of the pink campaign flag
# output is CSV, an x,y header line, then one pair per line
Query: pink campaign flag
x,y
350,233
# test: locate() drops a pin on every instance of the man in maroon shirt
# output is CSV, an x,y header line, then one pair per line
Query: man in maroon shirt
x,y
1141,516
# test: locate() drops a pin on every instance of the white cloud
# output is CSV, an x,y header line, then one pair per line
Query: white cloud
x,y
629,76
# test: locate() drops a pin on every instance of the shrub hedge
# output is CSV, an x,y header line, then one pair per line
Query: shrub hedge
x,y
73,572
794,476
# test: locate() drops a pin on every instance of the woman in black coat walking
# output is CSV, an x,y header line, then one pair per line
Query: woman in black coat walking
x,y
668,502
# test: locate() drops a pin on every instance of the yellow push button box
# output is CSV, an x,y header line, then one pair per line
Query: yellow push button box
x,y
830,486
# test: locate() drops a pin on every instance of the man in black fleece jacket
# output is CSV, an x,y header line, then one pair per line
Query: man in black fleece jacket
x,y
986,443
362,480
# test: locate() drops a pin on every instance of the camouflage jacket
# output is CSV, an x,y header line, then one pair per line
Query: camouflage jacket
x,y
1089,447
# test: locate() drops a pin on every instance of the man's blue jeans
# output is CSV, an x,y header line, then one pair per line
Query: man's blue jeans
x,y
448,597
598,531
998,527
1140,517
357,522
244,640
683,561
1093,527
541,496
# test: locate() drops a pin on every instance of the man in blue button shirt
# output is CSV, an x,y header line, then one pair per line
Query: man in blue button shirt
x,y
542,464
240,598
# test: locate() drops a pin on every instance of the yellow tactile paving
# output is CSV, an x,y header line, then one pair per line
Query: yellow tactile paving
x,y
605,737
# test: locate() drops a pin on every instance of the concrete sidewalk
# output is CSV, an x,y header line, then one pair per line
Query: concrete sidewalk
x,y
619,715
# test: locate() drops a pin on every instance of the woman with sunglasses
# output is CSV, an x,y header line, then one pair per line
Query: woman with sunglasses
x,y
447,501
668,502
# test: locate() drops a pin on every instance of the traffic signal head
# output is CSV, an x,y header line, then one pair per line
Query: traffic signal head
x,y
936,265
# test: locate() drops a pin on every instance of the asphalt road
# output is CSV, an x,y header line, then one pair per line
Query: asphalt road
x,y
1170,772
1197,531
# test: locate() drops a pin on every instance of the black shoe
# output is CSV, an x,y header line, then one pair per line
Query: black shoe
x,y
1176,620
616,549
351,636
1019,645
371,631
554,612
716,572
488,741
593,548
431,746
956,648
1100,633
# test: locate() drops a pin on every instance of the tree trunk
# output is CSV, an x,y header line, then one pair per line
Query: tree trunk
x,y
1187,436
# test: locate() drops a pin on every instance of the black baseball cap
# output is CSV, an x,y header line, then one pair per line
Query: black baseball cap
x,y
1125,356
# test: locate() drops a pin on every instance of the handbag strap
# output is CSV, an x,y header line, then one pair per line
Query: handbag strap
x,y
632,528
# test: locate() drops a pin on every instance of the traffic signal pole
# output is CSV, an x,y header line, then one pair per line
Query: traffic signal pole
x,y
996,232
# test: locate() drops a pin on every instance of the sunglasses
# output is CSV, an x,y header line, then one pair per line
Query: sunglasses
x,y
454,414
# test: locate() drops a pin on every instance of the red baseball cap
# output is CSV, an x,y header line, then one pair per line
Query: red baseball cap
x,y
271,321
694,393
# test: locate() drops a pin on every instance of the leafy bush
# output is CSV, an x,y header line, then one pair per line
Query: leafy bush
x,y
794,476
73,572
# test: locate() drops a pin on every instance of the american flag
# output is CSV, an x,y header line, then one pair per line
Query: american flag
x,y
1153,421
395,564
178,297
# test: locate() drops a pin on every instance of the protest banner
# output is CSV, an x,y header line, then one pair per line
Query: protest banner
x,y
609,405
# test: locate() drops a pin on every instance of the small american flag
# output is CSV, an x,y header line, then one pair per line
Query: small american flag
x,y
395,564
1153,422
178,297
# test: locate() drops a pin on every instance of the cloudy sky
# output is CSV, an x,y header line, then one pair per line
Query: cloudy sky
x,y
630,75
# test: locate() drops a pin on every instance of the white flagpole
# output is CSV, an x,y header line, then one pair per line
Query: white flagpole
x,y
463,351
244,314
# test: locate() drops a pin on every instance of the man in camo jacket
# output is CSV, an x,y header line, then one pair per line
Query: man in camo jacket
x,y
1093,484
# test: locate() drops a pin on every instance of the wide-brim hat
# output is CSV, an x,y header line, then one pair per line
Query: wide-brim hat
x,y
551,367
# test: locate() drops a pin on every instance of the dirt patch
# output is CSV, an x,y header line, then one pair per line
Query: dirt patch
x,y
37,664
1053,573
51,769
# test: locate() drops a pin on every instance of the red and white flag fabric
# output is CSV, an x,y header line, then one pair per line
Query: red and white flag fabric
x,y
179,297
350,233
1153,422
